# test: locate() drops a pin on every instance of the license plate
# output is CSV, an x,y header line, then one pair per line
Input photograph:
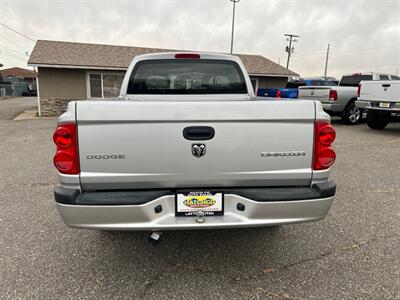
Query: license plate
x,y
189,204
384,104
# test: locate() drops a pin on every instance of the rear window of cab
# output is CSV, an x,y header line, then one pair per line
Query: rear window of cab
x,y
354,80
186,76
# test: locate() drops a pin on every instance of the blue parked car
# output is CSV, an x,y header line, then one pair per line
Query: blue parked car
x,y
291,90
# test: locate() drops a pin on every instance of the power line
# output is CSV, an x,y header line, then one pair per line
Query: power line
x,y
360,28
352,67
16,52
5,51
15,56
388,21
307,52
21,34
317,54
364,49
11,13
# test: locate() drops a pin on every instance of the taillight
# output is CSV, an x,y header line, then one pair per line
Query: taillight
x,y
333,95
359,90
66,159
187,55
278,94
62,137
324,135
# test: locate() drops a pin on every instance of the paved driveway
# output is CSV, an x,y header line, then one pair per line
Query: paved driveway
x,y
11,107
354,253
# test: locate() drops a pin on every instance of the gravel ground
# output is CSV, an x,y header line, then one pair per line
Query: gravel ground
x,y
353,253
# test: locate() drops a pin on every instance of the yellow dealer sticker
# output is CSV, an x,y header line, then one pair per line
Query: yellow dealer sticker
x,y
199,201
209,203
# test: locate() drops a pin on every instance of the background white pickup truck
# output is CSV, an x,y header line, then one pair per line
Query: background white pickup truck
x,y
382,101
188,145
340,100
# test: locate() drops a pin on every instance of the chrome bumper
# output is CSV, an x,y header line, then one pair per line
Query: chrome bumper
x,y
144,217
395,107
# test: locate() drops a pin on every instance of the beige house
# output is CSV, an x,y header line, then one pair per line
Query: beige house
x,y
74,71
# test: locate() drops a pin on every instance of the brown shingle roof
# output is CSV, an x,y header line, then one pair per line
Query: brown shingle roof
x,y
18,72
118,57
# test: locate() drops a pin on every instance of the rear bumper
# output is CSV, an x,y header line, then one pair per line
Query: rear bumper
x,y
395,107
257,212
333,107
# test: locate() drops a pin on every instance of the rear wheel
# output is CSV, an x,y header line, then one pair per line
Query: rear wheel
x,y
377,119
352,115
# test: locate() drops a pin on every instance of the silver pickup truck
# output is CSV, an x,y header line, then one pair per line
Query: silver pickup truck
x,y
340,100
381,100
187,145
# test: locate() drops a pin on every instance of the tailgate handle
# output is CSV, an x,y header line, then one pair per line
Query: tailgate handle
x,y
197,133
386,85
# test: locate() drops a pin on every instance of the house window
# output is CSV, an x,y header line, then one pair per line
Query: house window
x,y
104,85
95,86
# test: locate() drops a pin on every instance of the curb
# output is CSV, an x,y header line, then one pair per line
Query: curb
x,y
30,115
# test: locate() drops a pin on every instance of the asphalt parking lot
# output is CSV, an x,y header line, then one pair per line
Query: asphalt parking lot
x,y
354,253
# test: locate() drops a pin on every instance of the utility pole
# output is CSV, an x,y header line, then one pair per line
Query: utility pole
x,y
290,48
233,22
326,61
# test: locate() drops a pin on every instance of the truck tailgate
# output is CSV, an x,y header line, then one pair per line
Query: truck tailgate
x,y
319,93
387,91
140,145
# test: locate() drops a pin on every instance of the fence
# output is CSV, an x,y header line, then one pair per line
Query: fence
x,y
14,89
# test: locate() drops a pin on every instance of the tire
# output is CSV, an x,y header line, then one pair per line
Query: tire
x,y
378,119
352,115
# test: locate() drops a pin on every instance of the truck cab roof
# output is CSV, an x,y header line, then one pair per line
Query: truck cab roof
x,y
186,76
